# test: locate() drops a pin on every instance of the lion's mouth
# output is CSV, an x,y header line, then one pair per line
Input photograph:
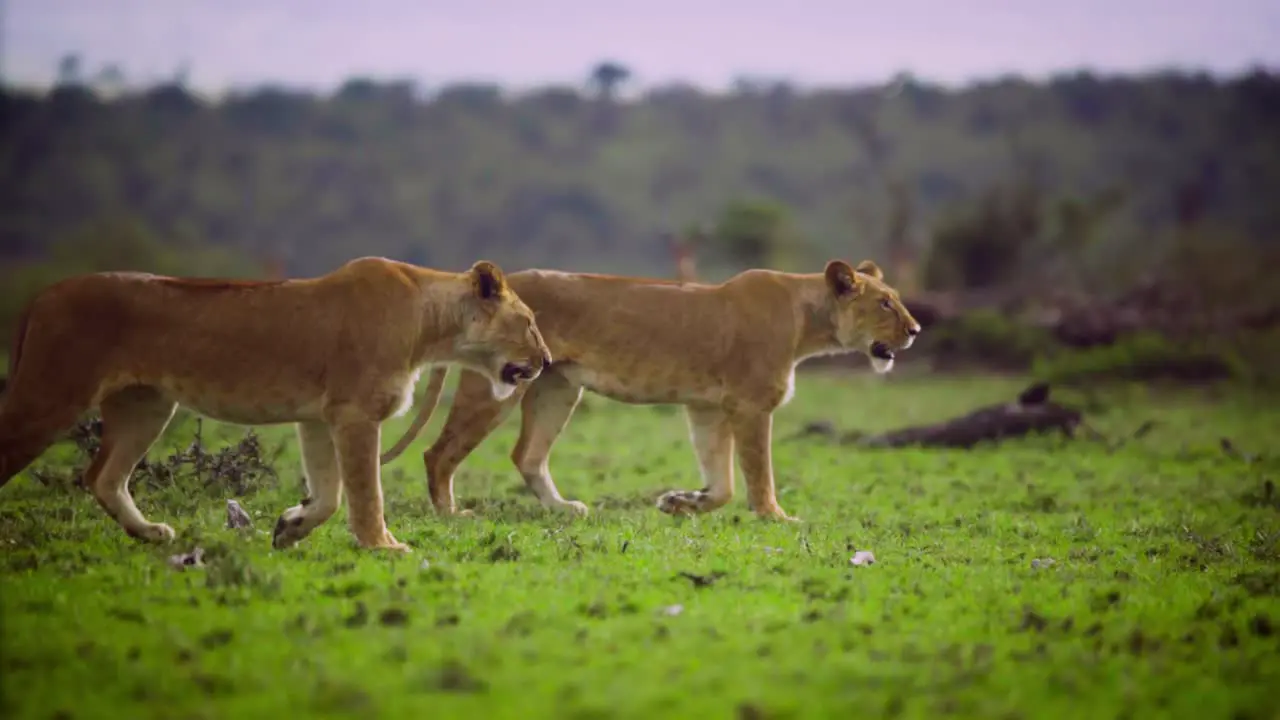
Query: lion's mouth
x,y
880,351
513,373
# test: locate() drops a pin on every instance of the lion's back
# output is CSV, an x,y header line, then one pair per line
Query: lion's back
x,y
634,336
139,325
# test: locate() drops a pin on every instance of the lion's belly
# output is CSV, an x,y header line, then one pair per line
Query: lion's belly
x,y
258,408
244,404
676,388
240,412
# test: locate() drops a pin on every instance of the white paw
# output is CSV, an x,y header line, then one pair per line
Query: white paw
x,y
293,514
577,508
156,532
289,528
677,502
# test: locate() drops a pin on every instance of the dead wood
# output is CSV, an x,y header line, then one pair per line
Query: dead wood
x,y
1032,412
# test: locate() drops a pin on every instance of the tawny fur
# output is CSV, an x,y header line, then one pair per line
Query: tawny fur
x,y
726,352
337,355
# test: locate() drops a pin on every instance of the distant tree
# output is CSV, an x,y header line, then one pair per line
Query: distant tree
x,y
181,75
110,79
69,69
171,99
607,76
475,99
753,233
983,245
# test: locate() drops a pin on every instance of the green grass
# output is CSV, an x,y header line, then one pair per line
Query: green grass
x,y
1162,601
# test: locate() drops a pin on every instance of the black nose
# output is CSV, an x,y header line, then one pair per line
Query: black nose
x,y
914,330
546,360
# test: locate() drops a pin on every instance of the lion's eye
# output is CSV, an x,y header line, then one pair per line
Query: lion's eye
x,y
886,304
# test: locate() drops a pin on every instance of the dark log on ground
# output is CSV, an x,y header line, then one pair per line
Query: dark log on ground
x,y
1032,412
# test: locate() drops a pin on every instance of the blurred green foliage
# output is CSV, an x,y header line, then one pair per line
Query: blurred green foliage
x,y
1144,356
590,180
110,243
1083,181
988,338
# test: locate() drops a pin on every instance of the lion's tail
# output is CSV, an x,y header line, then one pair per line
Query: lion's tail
x,y
7,423
20,333
428,405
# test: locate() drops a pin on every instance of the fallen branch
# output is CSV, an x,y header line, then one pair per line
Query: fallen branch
x,y
1032,412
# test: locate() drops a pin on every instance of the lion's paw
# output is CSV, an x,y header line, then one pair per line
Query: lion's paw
x,y
680,502
153,532
575,507
288,530
778,515
389,543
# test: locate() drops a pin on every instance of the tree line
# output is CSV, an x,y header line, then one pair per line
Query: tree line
x,y
94,173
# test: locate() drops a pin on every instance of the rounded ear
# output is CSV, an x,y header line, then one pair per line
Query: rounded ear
x,y
487,280
867,267
841,279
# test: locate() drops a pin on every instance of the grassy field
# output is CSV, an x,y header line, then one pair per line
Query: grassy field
x,y
1162,598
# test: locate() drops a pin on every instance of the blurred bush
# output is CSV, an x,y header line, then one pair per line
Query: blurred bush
x,y
112,243
986,338
1142,356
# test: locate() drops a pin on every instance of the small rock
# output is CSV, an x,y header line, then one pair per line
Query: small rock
x,y
863,557
195,558
1043,563
237,517
700,580
672,610
393,617
820,428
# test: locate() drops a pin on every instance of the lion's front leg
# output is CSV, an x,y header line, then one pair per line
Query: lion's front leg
x,y
753,435
358,444
547,407
324,486
712,438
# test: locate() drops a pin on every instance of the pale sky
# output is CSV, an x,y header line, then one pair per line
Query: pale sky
x,y
521,43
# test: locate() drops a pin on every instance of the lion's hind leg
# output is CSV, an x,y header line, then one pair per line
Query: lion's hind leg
x,y
475,414
324,486
712,438
30,422
132,419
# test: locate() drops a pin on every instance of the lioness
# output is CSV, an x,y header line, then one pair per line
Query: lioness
x,y
336,354
727,352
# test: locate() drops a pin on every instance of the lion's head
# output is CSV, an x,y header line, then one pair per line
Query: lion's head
x,y
868,314
500,339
